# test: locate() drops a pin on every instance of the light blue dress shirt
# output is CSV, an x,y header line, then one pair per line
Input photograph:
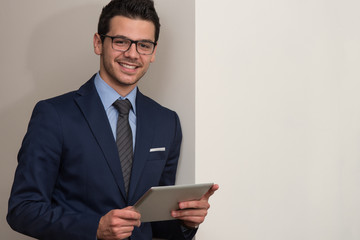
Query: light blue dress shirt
x,y
108,96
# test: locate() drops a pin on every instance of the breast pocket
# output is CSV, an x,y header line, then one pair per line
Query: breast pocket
x,y
157,155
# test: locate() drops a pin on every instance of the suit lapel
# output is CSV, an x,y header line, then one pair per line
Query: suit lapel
x,y
90,104
144,135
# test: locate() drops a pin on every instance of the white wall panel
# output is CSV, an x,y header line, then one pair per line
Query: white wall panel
x,y
278,118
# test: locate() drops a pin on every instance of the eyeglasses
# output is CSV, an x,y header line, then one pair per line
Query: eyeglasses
x,y
123,44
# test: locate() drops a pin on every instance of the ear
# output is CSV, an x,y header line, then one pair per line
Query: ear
x,y
97,44
153,55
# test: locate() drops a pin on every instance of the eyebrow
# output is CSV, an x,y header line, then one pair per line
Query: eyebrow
x,y
124,37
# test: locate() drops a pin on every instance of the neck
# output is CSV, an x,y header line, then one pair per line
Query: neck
x,y
122,89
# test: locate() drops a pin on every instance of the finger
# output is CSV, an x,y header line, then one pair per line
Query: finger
x,y
118,218
129,223
115,232
119,223
192,221
126,213
201,204
211,191
121,231
189,213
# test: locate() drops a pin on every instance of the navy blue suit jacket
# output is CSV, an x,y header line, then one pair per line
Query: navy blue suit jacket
x,y
69,172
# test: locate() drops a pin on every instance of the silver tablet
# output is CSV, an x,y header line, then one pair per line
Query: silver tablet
x,y
158,202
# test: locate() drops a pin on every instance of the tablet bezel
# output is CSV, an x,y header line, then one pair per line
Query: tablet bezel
x,y
158,202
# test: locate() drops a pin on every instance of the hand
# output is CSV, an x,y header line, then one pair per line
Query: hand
x,y
193,213
118,224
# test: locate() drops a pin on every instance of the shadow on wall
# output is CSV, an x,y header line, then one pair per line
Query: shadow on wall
x,y
158,74
59,58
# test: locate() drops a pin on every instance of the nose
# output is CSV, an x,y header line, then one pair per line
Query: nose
x,y
132,52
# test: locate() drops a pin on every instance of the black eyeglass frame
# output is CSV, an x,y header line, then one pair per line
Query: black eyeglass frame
x,y
131,43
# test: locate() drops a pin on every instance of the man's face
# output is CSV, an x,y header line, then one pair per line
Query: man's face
x,y
122,70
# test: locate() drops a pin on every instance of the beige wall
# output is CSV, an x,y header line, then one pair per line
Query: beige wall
x,y
277,104
278,118
46,50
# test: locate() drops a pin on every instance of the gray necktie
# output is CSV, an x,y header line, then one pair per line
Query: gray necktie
x,y
124,139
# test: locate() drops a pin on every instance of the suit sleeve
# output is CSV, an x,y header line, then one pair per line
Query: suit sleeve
x,y
169,174
172,229
32,211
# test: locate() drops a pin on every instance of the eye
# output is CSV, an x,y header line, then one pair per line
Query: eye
x,y
120,41
145,45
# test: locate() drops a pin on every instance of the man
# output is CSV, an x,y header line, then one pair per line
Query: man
x,y
72,180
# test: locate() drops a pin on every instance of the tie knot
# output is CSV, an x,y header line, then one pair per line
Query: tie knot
x,y
123,106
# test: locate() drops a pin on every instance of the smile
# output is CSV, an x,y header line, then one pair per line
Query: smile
x,y
127,66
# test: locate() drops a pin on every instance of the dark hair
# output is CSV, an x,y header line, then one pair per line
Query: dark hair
x,y
142,9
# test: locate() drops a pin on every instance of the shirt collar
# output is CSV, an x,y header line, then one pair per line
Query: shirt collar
x,y
108,95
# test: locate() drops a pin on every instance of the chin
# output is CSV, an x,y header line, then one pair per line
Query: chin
x,y
127,83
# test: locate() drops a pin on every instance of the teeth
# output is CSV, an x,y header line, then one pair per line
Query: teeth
x,y
127,66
